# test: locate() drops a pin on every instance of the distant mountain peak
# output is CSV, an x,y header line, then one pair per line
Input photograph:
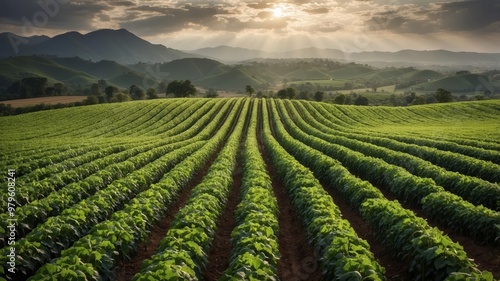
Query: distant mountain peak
x,y
118,45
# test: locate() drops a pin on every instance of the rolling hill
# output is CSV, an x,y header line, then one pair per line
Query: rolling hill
x,y
461,83
73,72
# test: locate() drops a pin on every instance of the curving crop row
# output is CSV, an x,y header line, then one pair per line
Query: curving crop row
x,y
408,188
38,184
255,250
181,254
180,111
432,255
423,260
342,253
95,255
473,189
30,215
449,145
479,223
448,160
58,233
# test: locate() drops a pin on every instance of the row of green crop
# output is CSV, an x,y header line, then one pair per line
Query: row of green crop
x,y
59,232
404,117
39,189
343,255
67,120
434,256
181,254
107,170
36,156
478,222
431,266
448,160
101,126
135,121
41,182
255,252
175,116
465,149
473,189
94,256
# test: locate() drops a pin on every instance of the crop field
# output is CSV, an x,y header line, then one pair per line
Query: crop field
x,y
251,189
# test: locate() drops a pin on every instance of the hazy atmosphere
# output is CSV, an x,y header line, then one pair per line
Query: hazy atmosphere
x,y
350,26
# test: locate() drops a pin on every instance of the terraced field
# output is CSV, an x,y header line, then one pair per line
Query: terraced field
x,y
251,189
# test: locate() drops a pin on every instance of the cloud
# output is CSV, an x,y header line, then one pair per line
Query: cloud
x,y
260,6
457,16
317,11
469,15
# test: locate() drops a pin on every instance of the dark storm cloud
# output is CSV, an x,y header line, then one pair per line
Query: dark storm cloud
x,y
469,15
55,14
475,15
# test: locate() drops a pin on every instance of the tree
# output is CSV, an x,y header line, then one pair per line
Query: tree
x,y
33,87
136,93
303,95
361,101
102,84
418,100
211,93
95,90
110,92
443,95
340,99
121,97
151,93
91,100
291,93
59,89
281,94
249,90
162,87
181,88
319,96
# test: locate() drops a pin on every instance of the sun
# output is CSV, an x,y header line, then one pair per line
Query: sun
x,y
278,12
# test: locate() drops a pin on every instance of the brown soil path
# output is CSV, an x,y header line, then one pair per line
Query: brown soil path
x,y
220,253
127,269
298,260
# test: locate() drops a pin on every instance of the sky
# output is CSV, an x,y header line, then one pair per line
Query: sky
x,y
348,25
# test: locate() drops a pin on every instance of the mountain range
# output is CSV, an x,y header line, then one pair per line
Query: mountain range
x,y
117,45
406,57
126,48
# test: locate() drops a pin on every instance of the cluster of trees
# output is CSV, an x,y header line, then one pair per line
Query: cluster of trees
x,y
101,92
33,87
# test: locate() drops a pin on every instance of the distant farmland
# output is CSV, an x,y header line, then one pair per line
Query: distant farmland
x,y
44,100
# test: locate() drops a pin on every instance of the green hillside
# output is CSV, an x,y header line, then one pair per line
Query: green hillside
x,y
422,75
21,67
351,72
307,74
191,68
235,79
460,83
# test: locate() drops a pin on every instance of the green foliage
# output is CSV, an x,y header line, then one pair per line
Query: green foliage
x,y
181,88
